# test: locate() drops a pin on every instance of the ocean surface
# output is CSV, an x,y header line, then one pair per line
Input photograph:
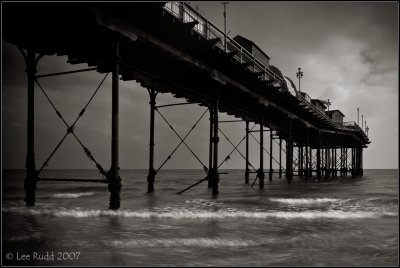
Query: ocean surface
x,y
335,222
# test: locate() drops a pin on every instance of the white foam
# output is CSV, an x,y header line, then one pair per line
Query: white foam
x,y
179,242
180,214
72,195
306,201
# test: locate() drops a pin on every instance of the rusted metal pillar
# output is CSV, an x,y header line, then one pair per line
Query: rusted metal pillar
x,y
152,172
280,158
114,180
247,171
30,180
210,151
215,175
270,155
261,174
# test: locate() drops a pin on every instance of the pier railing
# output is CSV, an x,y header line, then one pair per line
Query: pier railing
x,y
205,28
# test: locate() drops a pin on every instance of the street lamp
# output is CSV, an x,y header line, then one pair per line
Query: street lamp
x,y
328,103
299,75
358,116
362,121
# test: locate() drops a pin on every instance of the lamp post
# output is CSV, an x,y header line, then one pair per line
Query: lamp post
x,y
328,103
358,116
362,121
299,75
225,3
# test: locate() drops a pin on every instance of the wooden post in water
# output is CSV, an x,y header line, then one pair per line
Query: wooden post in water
x,y
114,184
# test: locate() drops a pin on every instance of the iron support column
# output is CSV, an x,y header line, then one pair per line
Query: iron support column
x,y
270,156
280,158
30,180
215,175
247,171
353,174
346,158
319,157
326,160
152,171
210,151
301,160
261,174
361,162
114,183
289,155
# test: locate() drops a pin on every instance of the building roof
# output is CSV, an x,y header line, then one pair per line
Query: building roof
x,y
248,43
320,102
334,111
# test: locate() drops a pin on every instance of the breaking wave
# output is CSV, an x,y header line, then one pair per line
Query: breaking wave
x,y
306,201
177,242
202,214
72,195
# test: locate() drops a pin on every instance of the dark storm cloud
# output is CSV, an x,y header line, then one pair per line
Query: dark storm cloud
x,y
347,50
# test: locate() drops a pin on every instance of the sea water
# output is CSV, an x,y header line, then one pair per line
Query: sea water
x,y
336,222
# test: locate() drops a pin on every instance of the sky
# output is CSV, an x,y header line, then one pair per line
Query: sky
x,y
348,52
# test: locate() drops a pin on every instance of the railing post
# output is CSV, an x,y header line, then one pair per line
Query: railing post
x,y
114,184
30,180
152,171
247,171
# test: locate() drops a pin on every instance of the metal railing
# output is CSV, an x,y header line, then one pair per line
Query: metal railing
x,y
209,31
205,28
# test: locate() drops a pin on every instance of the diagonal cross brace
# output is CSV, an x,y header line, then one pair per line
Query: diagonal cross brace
x,y
70,129
266,151
182,141
235,149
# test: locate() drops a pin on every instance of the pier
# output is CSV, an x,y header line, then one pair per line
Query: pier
x,y
169,47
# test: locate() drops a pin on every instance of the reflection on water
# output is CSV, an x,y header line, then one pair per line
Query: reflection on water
x,y
345,222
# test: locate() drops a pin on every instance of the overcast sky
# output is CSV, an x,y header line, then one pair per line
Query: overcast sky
x,y
347,51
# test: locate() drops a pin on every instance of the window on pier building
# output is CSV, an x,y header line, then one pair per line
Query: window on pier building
x,y
335,115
